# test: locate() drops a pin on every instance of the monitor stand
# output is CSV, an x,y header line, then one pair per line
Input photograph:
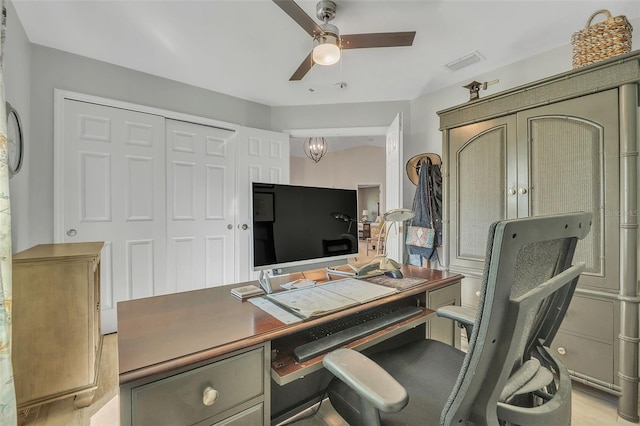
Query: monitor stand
x,y
265,282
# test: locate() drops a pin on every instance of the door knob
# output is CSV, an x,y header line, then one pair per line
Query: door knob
x,y
511,191
245,226
522,190
209,396
229,226
72,232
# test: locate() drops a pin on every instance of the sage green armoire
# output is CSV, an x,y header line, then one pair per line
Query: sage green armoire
x,y
565,143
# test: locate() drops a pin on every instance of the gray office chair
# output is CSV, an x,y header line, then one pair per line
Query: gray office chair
x,y
508,375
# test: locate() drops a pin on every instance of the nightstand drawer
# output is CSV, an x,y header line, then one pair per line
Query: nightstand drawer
x,y
180,399
585,356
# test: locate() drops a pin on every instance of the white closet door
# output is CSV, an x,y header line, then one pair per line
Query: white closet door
x,y
112,164
263,156
200,206
393,196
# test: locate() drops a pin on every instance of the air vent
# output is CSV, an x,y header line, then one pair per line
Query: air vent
x,y
465,61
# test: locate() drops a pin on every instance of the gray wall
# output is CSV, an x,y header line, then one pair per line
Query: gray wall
x,y
16,73
53,69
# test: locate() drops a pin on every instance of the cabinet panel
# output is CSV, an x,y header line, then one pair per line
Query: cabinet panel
x,y
580,318
585,356
57,341
479,155
572,165
443,329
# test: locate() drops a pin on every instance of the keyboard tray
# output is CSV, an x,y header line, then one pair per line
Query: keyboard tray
x,y
347,335
285,369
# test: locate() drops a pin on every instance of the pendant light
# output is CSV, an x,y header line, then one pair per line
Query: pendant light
x,y
315,148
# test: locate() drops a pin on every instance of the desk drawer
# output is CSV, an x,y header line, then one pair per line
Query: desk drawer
x,y
178,400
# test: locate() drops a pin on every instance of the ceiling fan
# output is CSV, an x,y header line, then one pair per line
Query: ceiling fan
x,y
328,42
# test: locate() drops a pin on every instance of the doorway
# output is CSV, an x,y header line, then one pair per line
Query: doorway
x,y
391,186
369,202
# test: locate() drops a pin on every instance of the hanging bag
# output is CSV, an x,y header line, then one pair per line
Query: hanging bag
x,y
420,236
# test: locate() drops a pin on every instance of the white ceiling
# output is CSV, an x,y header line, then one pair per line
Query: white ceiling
x,y
249,49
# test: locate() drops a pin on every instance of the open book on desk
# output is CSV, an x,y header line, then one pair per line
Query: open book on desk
x,y
371,269
330,297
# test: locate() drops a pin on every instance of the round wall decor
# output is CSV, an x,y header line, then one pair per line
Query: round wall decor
x,y
15,140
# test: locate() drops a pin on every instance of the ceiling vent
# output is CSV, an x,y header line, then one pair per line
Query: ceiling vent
x,y
465,61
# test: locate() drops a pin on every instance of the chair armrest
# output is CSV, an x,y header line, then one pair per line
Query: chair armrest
x,y
367,379
462,314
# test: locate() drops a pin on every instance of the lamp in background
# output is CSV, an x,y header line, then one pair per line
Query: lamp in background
x,y
365,215
315,148
326,49
392,217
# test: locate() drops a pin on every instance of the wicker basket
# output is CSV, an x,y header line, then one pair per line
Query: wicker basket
x,y
602,40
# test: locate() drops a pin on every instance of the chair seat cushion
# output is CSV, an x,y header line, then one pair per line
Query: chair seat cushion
x,y
439,365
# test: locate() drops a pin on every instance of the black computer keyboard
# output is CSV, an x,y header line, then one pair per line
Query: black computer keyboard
x,y
339,333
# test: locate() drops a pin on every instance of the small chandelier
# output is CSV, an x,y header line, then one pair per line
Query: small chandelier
x,y
315,148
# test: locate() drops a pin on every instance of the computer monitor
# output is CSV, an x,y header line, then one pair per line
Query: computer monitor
x,y
299,228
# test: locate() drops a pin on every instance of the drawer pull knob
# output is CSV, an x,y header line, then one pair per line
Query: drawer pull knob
x,y
562,351
209,396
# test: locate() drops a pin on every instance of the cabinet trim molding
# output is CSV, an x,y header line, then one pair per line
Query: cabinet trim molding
x,y
594,78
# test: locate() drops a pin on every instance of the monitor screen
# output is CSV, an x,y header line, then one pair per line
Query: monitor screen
x,y
302,227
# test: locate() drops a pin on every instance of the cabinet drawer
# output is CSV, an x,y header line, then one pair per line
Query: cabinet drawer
x,y
249,417
178,400
590,318
585,356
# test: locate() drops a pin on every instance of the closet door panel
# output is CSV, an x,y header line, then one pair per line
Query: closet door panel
x,y
112,190
200,205
263,156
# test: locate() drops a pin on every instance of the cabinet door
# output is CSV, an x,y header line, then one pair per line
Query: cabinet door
x,y
479,155
568,161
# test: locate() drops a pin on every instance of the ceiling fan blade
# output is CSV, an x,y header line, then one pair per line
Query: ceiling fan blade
x,y
296,13
361,41
303,69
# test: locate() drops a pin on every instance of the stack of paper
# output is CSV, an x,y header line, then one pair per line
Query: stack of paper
x,y
246,291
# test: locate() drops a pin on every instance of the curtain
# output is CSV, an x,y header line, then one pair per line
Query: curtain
x,y
8,412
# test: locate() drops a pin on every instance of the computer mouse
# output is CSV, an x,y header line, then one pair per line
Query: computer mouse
x,y
394,273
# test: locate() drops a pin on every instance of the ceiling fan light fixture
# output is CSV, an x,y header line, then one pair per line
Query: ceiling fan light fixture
x,y
326,46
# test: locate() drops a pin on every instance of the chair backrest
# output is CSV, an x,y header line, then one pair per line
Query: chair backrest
x,y
527,284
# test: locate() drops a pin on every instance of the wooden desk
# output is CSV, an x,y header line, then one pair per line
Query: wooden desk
x,y
178,352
